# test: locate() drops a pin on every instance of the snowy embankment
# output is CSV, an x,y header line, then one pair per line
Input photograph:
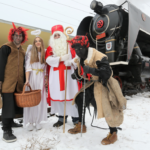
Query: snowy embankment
x,y
135,134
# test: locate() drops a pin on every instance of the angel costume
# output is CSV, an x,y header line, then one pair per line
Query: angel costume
x,y
37,70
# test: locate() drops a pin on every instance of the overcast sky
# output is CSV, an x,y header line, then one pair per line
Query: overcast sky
x,y
47,13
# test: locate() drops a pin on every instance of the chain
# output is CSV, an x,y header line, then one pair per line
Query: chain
x,y
83,108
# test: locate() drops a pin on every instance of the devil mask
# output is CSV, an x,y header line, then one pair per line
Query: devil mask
x,y
18,30
80,44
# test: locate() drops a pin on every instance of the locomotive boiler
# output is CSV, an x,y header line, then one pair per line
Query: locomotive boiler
x,y
124,36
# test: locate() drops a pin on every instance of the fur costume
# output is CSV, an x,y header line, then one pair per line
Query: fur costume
x,y
109,102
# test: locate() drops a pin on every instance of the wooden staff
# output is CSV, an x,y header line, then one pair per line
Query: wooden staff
x,y
68,32
1,103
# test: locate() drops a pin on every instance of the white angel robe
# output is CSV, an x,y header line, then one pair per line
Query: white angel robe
x,y
57,77
37,113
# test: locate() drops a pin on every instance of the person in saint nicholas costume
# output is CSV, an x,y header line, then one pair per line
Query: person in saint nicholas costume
x,y
102,91
12,79
58,59
35,67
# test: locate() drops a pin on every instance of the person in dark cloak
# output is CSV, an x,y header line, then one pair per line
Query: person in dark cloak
x,y
101,89
12,78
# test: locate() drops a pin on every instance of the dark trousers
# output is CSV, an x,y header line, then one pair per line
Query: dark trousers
x,y
89,99
9,110
7,123
74,119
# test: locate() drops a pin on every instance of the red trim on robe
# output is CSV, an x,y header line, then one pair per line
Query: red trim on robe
x,y
48,53
61,69
61,100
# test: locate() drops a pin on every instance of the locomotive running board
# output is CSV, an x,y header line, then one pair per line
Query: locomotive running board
x,y
119,63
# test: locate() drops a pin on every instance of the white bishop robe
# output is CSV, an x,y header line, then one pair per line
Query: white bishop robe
x,y
57,76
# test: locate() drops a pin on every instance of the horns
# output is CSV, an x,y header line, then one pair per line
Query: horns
x,y
26,29
16,28
14,25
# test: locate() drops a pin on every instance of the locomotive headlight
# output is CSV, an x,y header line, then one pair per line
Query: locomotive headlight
x,y
93,5
96,6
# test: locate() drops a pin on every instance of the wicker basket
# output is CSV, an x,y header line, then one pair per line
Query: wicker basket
x,y
28,98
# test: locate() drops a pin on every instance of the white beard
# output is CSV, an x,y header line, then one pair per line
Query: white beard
x,y
59,45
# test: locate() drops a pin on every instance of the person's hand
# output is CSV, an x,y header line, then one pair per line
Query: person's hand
x,y
65,57
67,63
0,87
27,83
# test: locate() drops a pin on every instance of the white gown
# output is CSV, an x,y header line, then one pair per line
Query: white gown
x,y
37,113
57,95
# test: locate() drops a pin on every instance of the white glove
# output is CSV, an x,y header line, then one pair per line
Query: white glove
x,y
65,57
67,63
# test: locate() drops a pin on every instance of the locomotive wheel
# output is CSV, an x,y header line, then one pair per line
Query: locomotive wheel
x,y
119,81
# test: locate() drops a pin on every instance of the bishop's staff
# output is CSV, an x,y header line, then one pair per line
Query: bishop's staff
x,y
68,32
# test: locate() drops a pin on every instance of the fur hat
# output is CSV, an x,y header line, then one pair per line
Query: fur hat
x,y
82,40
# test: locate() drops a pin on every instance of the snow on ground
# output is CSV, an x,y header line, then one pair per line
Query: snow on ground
x,y
135,134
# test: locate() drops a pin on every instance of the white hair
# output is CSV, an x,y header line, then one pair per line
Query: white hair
x,y
59,45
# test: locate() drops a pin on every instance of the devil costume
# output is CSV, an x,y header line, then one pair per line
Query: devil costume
x,y
12,79
101,90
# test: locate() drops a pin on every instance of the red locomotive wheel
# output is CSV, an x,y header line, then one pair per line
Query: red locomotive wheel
x,y
100,23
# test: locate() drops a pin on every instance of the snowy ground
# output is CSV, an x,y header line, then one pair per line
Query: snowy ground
x,y
134,136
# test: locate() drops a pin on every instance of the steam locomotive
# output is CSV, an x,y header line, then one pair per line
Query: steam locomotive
x,y
124,36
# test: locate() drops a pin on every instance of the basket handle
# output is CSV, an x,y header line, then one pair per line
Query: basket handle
x,y
24,87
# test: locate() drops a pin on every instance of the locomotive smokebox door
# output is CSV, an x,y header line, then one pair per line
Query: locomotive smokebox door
x,y
110,49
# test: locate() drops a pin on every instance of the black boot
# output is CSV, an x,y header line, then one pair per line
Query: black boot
x,y
16,125
58,124
8,136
